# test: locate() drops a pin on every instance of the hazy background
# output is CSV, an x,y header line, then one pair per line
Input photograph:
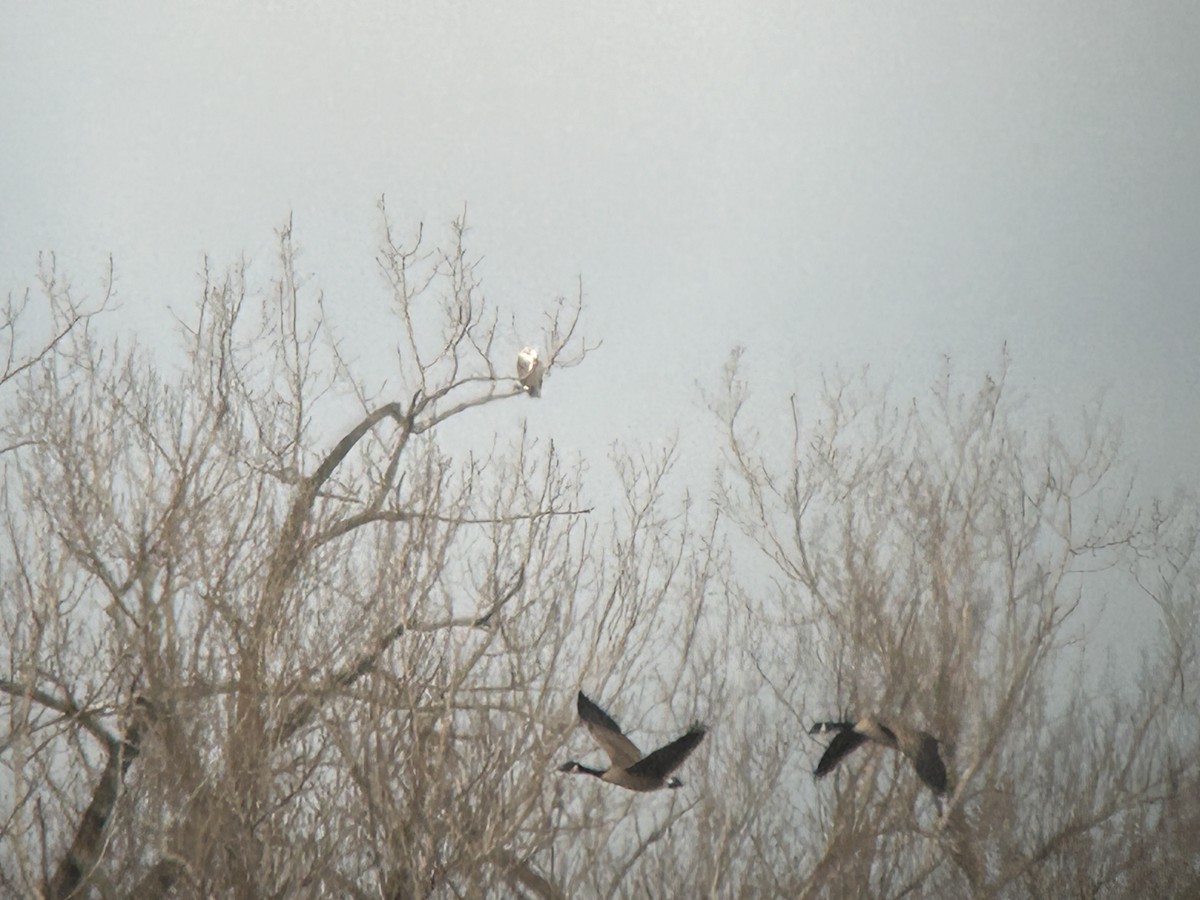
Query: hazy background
x,y
823,184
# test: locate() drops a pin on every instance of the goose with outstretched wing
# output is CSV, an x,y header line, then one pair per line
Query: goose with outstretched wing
x,y
629,768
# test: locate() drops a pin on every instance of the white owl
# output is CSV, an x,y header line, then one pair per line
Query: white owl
x,y
530,371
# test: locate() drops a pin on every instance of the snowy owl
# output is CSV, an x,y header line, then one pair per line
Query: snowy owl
x,y
530,371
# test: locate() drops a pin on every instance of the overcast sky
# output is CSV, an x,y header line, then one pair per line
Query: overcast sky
x,y
825,183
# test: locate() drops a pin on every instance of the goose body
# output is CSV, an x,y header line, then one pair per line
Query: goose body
x,y
629,768
919,746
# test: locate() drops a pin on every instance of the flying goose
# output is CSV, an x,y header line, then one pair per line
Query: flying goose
x,y
629,768
919,746
529,371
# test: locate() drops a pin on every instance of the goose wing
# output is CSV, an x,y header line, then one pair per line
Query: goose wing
x,y
665,760
607,733
843,744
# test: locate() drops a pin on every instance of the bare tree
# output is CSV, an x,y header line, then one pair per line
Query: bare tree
x,y
936,562
256,645
246,661
57,317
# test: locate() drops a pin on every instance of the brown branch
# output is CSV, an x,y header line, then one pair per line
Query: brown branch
x,y
485,620
1068,832
656,835
304,711
345,526
85,850
520,872
285,551
67,707
437,418
159,880
12,369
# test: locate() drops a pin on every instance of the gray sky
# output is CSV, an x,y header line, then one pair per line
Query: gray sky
x,y
826,183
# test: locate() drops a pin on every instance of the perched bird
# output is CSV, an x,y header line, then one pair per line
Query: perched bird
x,y
919,746
629,768
530,371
